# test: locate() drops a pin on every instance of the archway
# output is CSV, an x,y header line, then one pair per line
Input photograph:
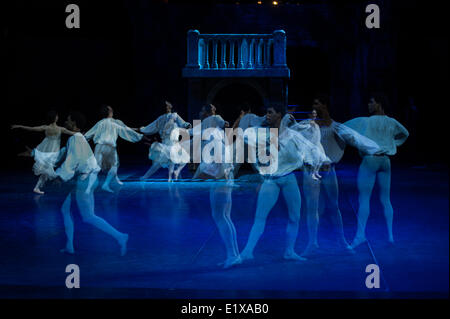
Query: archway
x,y
230,97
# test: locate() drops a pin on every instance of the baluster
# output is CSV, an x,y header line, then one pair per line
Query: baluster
x,y
201,53
244,52
259,55
250,60
240,62
266,53
270,52
231,59
215,65
207,54
223,45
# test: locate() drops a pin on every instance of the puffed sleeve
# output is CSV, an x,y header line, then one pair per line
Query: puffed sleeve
x,y
180,122
128,134
359,124
90,134
153,128
353,138
220,122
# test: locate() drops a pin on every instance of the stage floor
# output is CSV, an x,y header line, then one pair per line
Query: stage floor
x,y
174,246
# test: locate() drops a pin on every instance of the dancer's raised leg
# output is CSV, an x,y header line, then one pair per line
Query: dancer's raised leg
x,y
86,206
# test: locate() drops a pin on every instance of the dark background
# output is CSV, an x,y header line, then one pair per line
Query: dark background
x,y
130,54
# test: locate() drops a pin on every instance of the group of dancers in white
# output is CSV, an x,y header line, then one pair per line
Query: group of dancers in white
x,y
314,145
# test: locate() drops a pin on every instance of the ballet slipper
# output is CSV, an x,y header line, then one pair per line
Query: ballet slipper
x,y
232,262
293,256
358,241
106,188
246,256
38,191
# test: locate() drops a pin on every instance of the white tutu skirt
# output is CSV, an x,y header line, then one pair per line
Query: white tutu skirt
x,y
44,162
46,155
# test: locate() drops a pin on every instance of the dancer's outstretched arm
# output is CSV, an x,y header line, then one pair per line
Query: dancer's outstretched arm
x,y
153,127
30,128
128,134
182,123
353,138
90,134
66,131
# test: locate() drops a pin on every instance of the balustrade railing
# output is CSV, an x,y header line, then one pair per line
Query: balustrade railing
x,y
236,51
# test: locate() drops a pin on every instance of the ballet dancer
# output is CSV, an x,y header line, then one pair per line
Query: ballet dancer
x,y
211,120
388,133
246,119
160,152
105,134
294,151
78,171
334,137
46,154
220,193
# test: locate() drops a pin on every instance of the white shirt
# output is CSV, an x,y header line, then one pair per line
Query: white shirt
x,y
336,136
387,132
157,126
108,130
79,158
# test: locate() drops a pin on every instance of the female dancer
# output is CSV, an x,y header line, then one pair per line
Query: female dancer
x,y
333,137
46,154
80,166
160,152
213,123
388,133
294,150
105,134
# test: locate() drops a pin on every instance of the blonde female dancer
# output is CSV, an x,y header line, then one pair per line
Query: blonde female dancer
x,y
46,154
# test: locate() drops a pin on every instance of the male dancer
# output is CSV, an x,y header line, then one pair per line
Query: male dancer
x,y
105,134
